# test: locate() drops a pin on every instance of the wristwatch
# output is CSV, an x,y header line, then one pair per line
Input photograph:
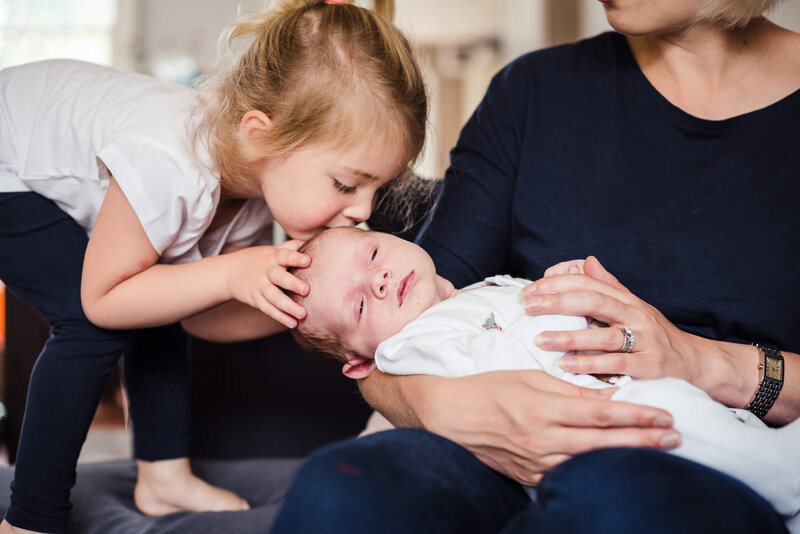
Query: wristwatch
x,y
771,381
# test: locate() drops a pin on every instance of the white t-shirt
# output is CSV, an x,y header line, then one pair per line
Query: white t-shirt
x,y
65,125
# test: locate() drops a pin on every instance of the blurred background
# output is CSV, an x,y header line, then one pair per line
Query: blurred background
x,y
461,43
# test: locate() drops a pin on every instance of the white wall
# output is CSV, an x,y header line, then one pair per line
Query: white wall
x,y
462,43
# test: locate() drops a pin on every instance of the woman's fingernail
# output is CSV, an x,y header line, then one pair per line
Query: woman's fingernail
x,y
531,303
544,340
670,441
527,290
663,421
567,363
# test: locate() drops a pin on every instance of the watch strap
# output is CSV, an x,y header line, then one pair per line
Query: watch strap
x,y
769,387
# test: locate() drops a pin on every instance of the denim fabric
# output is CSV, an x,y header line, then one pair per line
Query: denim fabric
x,y
406,480
398,481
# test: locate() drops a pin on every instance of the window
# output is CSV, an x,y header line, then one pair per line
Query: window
x,y
31,30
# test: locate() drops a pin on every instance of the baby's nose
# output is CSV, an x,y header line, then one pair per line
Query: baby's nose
x,y
380,283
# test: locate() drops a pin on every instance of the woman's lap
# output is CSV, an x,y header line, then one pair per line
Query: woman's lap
x,y
414,481
398,481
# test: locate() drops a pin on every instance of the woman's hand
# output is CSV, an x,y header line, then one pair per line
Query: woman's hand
x,y
256,275
660,348
524,423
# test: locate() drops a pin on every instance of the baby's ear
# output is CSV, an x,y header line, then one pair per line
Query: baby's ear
x,y
358,368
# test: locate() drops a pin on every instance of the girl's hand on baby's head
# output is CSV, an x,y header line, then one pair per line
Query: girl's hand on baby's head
x,y
292,244
257,274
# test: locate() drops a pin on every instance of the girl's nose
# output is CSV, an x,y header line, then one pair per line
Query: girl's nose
x,y
380,283
360,209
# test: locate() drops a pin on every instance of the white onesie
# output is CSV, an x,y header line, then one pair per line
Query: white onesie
x,y
485,328
73,124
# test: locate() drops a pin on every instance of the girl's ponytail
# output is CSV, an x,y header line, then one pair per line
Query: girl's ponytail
x,y
385,8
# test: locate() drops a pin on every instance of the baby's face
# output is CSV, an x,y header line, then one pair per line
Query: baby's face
x,y
367,286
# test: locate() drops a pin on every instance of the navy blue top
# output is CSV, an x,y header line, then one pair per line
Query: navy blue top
x,y
572,152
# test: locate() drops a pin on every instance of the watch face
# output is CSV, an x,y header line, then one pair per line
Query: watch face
x,y
774,368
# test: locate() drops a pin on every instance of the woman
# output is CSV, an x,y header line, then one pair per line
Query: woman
x,y
662,150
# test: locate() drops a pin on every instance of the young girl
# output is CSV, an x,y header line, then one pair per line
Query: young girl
x,y
323,106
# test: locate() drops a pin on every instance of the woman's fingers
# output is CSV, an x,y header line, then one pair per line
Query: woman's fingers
x,y
572,411
580,282
595,269
607,339
619,364
581,440
590,303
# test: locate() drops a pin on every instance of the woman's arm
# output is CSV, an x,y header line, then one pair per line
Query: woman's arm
x,y
123,286
520,423
726,371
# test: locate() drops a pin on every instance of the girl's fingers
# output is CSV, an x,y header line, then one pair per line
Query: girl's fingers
x,y
292,258
608,339
292,244
277,314
282,302
280,277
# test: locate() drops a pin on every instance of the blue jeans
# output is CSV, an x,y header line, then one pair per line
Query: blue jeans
x,y
41,259
408,480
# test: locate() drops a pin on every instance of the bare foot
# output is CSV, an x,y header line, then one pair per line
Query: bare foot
x,y
169,486
7,528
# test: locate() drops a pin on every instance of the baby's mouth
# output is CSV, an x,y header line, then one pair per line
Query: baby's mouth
x,y
404,287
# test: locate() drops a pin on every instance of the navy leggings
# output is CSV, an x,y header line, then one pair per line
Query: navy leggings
x,y
407,480
41,259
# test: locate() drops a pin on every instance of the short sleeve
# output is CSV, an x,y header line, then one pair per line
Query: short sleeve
x,y
172,199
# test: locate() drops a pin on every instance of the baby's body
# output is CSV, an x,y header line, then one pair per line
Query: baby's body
x,y
485,328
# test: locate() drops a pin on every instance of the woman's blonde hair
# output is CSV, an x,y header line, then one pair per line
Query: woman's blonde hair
x,y
323,73
734,13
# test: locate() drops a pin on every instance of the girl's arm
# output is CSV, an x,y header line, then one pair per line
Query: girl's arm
x,y
231,321
123,286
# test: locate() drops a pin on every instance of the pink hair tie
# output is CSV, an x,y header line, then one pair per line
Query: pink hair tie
x,y
335,1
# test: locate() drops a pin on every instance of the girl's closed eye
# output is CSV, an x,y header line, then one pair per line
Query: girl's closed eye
x,y
360,308
344,188
374,254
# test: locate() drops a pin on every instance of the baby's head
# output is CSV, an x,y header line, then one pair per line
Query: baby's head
x,y
365,287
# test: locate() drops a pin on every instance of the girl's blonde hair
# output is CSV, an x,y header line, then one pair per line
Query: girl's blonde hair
x,y
322,73
734,13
